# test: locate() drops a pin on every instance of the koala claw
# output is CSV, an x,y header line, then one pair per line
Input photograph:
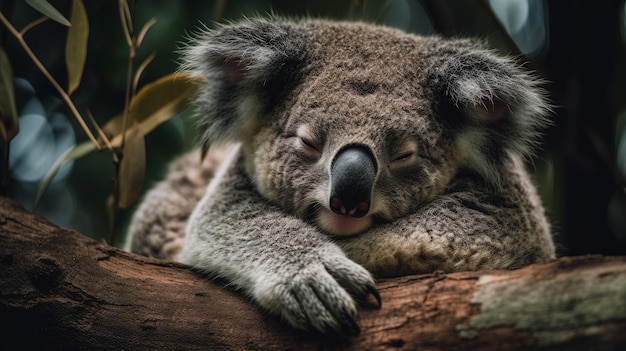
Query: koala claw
x,y
374,292
320,296
323,314
354,327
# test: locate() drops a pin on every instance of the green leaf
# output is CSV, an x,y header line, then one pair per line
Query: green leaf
x,y
132,167
76,45
8,113
156,103
45,8
72,153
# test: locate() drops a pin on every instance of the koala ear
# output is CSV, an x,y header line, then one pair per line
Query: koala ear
x,y
246,66
496,107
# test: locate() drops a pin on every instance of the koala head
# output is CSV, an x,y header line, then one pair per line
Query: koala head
x,y
350,124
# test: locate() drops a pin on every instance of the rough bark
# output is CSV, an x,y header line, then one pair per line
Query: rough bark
x,y
62,290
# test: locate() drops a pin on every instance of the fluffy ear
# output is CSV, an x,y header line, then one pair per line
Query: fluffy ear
x,y
246,66
496,107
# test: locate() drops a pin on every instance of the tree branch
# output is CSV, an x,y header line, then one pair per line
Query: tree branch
x,y
62,290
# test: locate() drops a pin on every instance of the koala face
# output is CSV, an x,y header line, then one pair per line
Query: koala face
x,y
356,144
347,124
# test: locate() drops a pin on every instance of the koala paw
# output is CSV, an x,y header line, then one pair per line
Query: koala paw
x,y
320,295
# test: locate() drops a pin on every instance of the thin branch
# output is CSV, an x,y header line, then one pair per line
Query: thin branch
x,y
51,79
123,7
32,24
102,135
140,70
128,27
130,39
144,31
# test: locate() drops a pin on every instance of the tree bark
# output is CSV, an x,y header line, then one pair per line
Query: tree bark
x,y
62,290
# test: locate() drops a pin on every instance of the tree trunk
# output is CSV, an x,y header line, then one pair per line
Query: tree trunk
x,y
62,290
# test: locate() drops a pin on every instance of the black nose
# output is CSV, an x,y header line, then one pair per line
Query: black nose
x,y
352,177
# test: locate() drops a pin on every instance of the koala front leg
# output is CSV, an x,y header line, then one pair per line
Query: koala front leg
x,y
284,264
471,227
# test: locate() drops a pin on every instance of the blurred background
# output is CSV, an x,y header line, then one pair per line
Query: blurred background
x,y
578,46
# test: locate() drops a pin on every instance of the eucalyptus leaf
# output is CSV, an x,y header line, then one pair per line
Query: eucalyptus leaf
x,y
73,153
132,167
8,113
76,45
45,8
156,103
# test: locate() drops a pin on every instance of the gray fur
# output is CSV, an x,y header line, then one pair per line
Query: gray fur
x,y
448,123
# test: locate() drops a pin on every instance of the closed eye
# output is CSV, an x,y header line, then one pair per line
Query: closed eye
x,y
310,144
307,149
404,156
307,144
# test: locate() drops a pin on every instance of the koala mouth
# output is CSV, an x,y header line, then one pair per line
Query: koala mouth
x,y
341,225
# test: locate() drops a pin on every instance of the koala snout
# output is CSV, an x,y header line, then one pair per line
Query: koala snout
x,y
352,177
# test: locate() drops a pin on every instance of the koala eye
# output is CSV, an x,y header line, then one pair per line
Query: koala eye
x,y
310,144
308,148
402,157
307,143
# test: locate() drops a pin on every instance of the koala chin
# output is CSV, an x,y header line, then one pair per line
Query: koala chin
x,y
342,225
336,152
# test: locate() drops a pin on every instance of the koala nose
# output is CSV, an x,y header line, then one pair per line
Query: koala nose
x,y
352,176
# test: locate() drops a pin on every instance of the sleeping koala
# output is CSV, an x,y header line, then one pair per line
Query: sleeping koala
x,y
352,150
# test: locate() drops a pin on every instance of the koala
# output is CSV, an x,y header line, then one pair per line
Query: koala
x,y
343,151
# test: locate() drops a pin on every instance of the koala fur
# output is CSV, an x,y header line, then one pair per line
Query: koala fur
x,y
348,150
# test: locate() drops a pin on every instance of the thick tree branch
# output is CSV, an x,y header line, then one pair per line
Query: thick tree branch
x,y
62,290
